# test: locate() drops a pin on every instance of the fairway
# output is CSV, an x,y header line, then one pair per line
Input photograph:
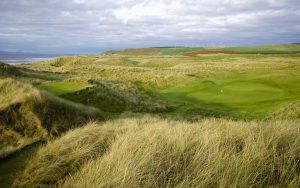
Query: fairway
x,y
61,88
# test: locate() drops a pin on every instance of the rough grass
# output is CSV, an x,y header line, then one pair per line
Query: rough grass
x,y
61,157
116,96
291,111
28,115
153,152
8,70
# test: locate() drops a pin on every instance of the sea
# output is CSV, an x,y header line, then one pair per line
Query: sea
x,y
24,58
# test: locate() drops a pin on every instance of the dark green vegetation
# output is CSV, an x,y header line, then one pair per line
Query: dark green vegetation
x,y
254,90
11,166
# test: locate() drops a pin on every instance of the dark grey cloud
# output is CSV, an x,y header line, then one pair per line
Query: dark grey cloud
x,y
94,25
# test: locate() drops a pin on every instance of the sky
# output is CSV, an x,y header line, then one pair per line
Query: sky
x,y
91,26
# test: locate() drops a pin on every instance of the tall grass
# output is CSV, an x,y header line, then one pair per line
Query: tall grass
x,y
8,70
291,111
59,158
28,115
153,152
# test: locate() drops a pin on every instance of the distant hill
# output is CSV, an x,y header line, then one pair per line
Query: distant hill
x,y
266,49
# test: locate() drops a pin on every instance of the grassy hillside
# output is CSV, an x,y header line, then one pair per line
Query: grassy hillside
x,y
28,115
229,85
27,75
217,117
151,152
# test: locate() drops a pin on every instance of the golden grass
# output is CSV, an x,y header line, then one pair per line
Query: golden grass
x,y
154,152
61,157
291,111
28,115
13,92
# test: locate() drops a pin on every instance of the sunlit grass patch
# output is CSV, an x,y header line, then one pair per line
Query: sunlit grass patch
x,y
60,88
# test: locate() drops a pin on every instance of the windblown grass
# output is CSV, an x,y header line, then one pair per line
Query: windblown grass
x,y
153,152
28,115
61,157
8,70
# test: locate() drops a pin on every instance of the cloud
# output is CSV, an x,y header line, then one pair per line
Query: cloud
x,y
92,25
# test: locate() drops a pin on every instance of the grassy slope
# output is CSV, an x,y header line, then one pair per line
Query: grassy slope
x,y
27,75
239,86
151,152
28,115
116,96
8,70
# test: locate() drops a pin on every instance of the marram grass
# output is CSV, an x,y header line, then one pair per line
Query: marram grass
x,y
154,152
28,115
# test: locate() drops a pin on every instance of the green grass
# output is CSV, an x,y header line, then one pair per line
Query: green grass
x,y
283,48
60,88
273,49
252,95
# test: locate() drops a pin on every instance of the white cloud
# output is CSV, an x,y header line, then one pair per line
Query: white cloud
x,y
96,24
79,1
65,13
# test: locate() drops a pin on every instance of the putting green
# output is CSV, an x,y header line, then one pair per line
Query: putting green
x,y
252,94
61,88
236,92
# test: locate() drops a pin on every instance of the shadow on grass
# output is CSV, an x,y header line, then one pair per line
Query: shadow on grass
x,y
15,163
